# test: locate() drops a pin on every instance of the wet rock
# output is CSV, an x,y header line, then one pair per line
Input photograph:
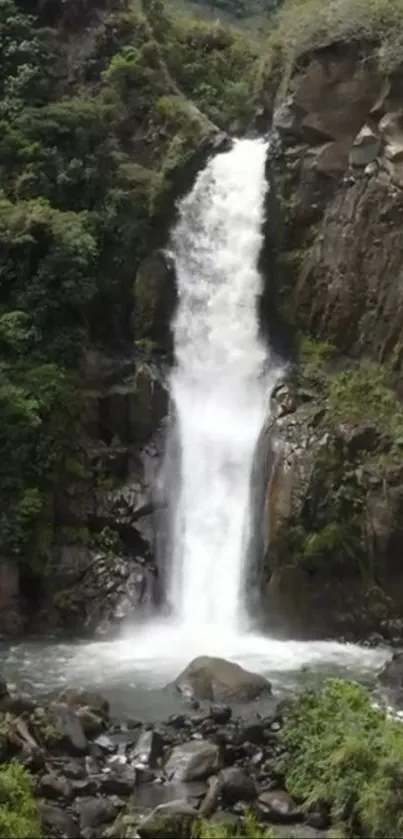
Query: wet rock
x,y
76,698
236,785
94,812
91,723
57,822
277,806
220,713
149,796
3,688
254,733
365,148
85,787
169,821
193,761
74,770
120,781
155,298
218,679
105,743
67,722
55,786
390,678
17,703
148,749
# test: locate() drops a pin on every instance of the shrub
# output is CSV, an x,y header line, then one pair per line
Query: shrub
x,y
18,810
222,830
342,751
306,24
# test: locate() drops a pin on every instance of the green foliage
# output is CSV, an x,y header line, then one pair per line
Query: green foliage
x,y
361,394
222,830
93,146
364,393
216,68
305,24
342,751
313,354
18,809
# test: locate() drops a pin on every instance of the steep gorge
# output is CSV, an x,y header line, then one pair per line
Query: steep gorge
x,y
331,271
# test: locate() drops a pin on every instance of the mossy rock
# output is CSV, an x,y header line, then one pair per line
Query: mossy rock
x,y
154,300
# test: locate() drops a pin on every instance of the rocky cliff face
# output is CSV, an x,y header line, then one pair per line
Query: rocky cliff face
x,y
332,520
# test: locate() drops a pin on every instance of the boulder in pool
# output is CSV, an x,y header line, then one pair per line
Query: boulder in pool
x,y
216,679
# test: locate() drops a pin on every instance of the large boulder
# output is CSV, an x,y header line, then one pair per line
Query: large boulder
x,y
174,820
216,679
193,761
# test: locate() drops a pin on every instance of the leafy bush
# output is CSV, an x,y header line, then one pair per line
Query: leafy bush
x,y
18,810
343,752
305,24
221,830
362,393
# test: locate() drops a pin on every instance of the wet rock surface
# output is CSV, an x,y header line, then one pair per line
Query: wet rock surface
x,y
217,679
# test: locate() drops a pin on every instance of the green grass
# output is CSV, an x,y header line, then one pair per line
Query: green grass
x,y
344,752
18,810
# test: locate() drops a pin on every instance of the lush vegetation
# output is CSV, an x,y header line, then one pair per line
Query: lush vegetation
x,y
361,393
97,131
344,753
305,24
223,830
18,810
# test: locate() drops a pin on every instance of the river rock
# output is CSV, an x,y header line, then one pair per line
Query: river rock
x,y
169,821
236,785
76,698
67,723
96,811
220,713
148,749
213,679
56,821
118,781
277,806
92,724
391,678
193,761
55,786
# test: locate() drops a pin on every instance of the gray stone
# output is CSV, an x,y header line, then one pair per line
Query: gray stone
x,y
213,678
365,148
148,749
193,761
175,820
55,786
68,724
236,785
277,806
57,821
96,811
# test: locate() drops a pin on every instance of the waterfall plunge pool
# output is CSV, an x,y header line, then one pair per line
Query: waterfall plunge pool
x,y
132,672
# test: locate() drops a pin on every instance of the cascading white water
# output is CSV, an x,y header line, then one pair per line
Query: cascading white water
x,y
220,384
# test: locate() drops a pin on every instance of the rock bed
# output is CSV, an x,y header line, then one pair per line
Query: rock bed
x,y
95,777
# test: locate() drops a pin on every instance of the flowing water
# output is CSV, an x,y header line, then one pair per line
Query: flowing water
x,y
220,387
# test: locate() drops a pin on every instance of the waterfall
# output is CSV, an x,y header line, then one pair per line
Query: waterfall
x,y
220,386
